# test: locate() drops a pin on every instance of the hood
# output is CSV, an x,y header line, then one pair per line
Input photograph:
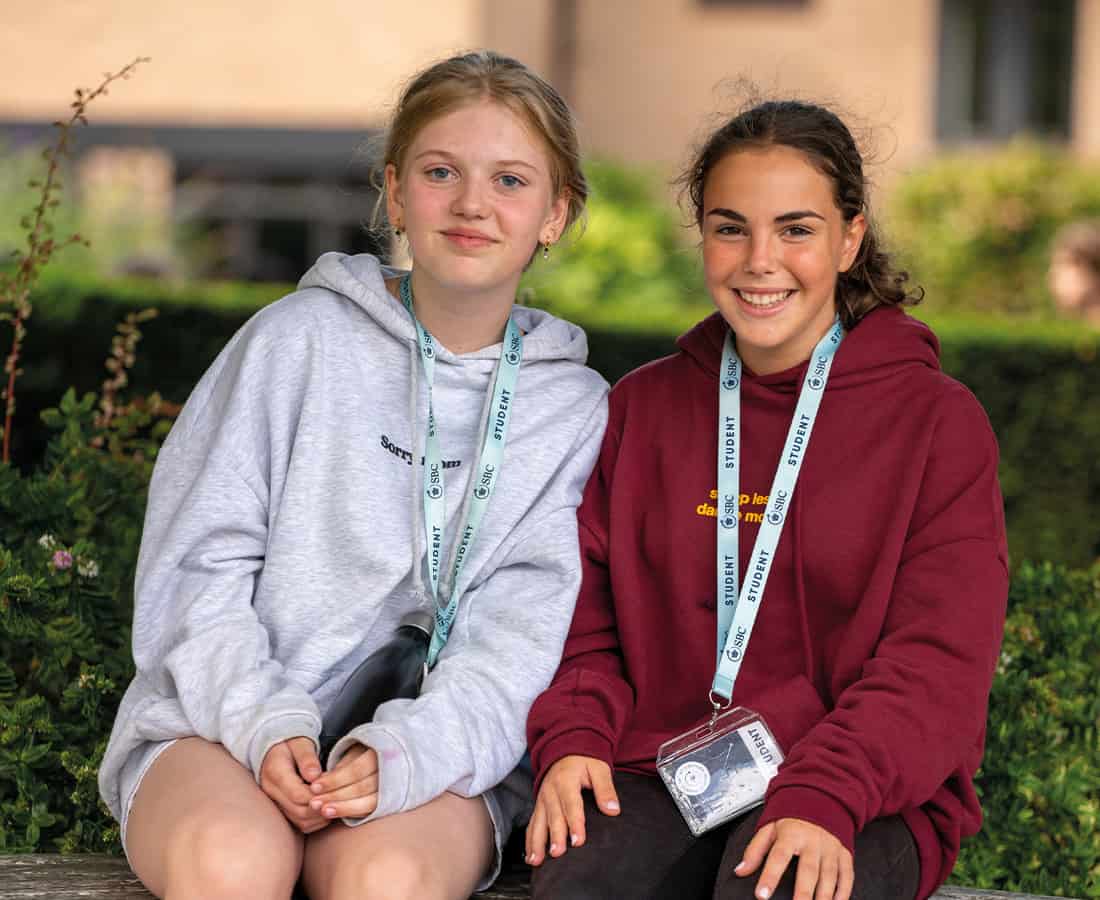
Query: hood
x,y
885,341
360,279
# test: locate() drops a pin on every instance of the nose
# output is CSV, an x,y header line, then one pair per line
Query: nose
x,y
469,199
761,256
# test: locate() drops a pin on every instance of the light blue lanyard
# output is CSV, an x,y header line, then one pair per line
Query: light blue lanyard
x,y
482,482
737,608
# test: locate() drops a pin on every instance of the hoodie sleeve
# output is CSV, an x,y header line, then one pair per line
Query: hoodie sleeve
x,y
196,635
197,640
917,712
586,708
465,732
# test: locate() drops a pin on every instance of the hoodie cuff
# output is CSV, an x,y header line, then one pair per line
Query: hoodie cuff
x,y
581,742
811,806
275,731
394,768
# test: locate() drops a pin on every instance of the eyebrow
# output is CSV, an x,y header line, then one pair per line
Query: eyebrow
x,y
785,217
500,163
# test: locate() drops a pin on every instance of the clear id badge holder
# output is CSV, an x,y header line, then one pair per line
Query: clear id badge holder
x,y
719,769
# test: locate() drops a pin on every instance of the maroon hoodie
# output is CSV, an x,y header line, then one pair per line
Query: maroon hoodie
x,y
880,626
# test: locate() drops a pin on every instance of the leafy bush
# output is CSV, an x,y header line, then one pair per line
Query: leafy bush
x,y
631,269
1040,782
69,535
975,227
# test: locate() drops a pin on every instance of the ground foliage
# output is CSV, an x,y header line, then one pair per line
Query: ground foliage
x,y
1040,780
69,534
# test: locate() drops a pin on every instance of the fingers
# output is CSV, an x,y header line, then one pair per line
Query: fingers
x,y
355,807
807,876
280,781
827,878
603,788
305,758
779,857
537,833
357,764
846,877
824,869
330,805
549,823
572,804
559,815
349,791
279,774
757,850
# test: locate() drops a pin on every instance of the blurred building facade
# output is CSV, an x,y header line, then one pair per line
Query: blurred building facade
x,y
250,128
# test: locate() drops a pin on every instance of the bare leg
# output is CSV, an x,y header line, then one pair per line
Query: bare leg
x,y
201,827
440,851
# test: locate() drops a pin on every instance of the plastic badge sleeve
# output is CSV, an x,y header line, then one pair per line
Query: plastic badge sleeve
x,y
719,769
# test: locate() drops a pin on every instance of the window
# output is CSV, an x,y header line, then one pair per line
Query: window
x,y
1005,67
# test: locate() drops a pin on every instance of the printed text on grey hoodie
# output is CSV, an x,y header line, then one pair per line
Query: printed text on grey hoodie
x,y
284,539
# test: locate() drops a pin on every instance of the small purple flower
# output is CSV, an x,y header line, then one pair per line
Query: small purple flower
x,y
62,559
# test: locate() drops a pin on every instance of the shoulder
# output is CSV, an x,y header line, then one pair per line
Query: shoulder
x,y
655,383
960,422
301,314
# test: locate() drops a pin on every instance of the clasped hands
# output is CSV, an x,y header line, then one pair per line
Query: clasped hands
x,y
310,798
825,869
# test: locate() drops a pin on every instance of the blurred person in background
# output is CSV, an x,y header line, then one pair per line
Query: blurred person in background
x,y
877,563
1074,275
379,443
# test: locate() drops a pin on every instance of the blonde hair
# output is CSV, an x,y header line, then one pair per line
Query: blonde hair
x,y
484,75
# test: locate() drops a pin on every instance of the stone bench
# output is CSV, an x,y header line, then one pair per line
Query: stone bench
x,y
99,877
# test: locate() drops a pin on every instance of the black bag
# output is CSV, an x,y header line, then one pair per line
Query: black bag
x,y
396,669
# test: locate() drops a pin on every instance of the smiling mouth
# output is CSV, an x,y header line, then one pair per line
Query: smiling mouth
x,y
763,299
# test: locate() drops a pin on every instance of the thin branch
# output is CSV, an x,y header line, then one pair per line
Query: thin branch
x,y
15,290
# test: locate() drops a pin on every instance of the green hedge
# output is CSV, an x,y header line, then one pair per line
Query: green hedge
x,y
1037,380
976,226
1040,780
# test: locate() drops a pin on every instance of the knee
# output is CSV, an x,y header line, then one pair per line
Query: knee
x,y
226,858
388,874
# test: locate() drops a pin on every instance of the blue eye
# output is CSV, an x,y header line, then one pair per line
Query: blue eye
x,y
511,181
438,173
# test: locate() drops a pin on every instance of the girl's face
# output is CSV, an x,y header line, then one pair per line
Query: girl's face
x,y
475,198
773,244
1072,283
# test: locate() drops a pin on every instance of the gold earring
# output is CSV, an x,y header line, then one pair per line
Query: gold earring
x,y
546,250
397,231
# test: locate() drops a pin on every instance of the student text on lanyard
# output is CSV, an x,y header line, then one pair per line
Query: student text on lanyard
x,y
482,481
738,606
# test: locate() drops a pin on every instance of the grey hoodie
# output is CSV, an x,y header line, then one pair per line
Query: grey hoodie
x,y
284,539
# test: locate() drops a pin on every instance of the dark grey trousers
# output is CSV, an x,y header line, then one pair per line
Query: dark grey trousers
x,y
647,853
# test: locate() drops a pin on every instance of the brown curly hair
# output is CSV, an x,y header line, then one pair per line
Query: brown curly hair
x,y
872,280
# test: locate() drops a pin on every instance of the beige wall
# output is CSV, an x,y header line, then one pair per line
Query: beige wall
x,y
307,63
651,70
648,72
1086,85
